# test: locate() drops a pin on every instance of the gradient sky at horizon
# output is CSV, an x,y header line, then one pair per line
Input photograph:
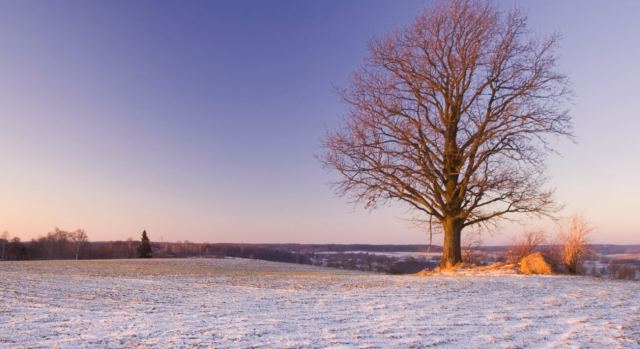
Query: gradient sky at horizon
x,y
200,120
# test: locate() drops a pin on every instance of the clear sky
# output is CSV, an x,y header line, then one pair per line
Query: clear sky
x,y
200,120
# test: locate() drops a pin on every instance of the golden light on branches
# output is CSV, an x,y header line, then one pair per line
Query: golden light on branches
x,y
452,116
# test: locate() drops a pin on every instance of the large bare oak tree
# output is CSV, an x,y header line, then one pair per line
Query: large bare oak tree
x,y
453,115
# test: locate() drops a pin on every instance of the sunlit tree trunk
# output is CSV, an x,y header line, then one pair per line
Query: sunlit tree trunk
x,y
451,249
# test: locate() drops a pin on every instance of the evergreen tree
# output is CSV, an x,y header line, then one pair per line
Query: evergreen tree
x,y
144,250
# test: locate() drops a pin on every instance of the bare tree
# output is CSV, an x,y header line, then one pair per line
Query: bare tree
x,y
57,243
131,248
79,238
4,238
525,245
471,246
452,116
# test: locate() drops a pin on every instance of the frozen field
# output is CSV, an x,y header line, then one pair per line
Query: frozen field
x,y
244,303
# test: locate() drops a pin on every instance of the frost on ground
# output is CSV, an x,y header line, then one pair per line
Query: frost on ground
x,y
246,303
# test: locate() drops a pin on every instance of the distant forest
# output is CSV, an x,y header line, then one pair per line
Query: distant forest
x,y
61,244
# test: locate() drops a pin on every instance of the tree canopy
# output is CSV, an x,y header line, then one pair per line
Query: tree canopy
x,y
452,115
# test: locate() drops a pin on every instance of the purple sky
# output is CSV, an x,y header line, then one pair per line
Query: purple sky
x,y
199,120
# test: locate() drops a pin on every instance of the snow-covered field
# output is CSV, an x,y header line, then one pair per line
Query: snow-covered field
x,y
245,303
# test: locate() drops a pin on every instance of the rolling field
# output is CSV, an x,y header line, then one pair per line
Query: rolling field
x,y
236,303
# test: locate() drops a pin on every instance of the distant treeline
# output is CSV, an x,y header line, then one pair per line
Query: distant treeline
x,y
605,249
61,244
58,244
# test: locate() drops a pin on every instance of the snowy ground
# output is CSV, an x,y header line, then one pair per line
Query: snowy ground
x,y
244,303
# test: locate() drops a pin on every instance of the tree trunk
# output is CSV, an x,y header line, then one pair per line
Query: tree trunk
x,y
451,251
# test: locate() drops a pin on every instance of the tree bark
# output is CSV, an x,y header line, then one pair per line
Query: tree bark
x,y
451,250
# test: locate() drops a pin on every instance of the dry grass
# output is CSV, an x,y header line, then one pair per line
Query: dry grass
x,y
537,263
573,244
473,269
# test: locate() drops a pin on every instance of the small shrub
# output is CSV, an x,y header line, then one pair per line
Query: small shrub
x,y
524,246
471,248
573,244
